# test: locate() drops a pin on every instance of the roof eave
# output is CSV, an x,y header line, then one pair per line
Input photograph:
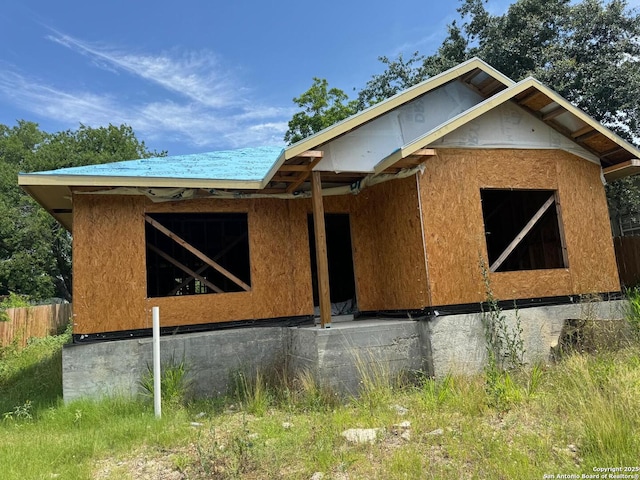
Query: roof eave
x,y
622,170
33,179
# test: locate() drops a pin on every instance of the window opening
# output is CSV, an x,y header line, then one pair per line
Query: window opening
x,y
522,230
197,253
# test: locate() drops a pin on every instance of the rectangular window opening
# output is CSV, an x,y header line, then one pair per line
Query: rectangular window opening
x,y
197,253
523,230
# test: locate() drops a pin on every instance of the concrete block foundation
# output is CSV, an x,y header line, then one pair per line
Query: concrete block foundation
x,y
115,368
337,357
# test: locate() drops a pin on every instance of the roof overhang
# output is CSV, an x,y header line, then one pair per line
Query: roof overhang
x,y
549,107
621,170
56,199
474,73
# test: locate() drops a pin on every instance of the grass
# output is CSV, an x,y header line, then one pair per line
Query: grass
x,y
32,374
569,417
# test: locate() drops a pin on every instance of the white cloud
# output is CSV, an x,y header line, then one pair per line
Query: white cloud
x,y
195,75
56,104
198,125
204,105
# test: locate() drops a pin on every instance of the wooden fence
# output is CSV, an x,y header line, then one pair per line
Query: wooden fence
x,y
628,258
30,322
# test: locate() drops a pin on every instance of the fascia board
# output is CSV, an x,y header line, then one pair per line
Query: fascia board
x,y
274,168
622,170
33,179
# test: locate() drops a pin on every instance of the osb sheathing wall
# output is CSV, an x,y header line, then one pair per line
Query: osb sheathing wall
x,y
109,277
388,248
454,230
110,269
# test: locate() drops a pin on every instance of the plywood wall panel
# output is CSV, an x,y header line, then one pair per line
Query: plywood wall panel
x,y
528,169
110,268
587,226
388,249
202,309
454,230
453,227
367,267
109,283
199,206
531,284
279,259
337,203
298,249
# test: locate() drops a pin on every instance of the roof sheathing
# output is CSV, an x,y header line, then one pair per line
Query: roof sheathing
x,y
222,169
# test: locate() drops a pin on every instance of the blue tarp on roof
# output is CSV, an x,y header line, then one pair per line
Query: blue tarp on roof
x,y
246,164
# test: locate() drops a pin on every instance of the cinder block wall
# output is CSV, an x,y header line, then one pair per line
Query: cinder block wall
x,y
337,357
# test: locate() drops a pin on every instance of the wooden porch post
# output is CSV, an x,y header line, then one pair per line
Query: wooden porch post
x,y
321,249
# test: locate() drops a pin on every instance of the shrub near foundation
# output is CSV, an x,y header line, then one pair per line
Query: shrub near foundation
x,y
174,382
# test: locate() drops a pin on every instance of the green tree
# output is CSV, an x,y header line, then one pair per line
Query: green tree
x,y
35,251
322,107
589,52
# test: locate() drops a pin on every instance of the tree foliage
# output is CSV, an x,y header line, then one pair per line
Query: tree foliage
x,y
322,107
35,251
589,52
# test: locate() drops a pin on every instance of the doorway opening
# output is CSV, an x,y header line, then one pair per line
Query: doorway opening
x,y
342,285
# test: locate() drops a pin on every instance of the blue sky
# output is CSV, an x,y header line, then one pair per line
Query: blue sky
x,y
195,76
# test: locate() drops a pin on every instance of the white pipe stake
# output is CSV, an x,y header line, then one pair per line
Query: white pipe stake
x,y
157,374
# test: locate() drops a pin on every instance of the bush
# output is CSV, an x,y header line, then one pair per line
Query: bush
x,y
174,382
12,301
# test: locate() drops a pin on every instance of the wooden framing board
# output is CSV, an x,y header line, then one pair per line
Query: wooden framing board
x,y
321,249
203,268
523,233
185,269
183,243
454,230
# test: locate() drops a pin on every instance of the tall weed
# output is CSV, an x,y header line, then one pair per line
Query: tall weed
x,y
608,408
505,349
174,382
251,391
632,314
